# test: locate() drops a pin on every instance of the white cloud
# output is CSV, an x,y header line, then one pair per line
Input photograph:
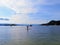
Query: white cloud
x,y
37,21
19,19
17,5
24,7
20,6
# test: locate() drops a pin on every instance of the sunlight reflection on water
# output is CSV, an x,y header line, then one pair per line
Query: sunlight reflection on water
x,y
36,35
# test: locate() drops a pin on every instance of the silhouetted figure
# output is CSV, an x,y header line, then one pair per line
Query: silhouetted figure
x,y
30,25
12,24
27,28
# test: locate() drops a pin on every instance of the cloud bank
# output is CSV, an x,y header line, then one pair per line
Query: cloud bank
x,y
32,11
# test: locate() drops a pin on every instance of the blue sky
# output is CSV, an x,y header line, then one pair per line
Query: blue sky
x,y
5,11
30,11
49,12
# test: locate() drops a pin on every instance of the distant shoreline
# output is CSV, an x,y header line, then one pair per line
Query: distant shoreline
x,y
52,22
19,24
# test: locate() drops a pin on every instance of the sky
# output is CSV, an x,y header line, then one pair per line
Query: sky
x,y
29,11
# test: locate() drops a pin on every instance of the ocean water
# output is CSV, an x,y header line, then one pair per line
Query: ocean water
x,y
35,35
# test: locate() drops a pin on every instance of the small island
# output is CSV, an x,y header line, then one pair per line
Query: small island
x,y
52,22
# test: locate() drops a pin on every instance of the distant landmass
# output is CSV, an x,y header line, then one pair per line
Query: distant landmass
x,y
19,24
52,22
7,24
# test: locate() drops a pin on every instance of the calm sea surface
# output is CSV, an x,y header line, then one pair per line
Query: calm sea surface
x,y
36,35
